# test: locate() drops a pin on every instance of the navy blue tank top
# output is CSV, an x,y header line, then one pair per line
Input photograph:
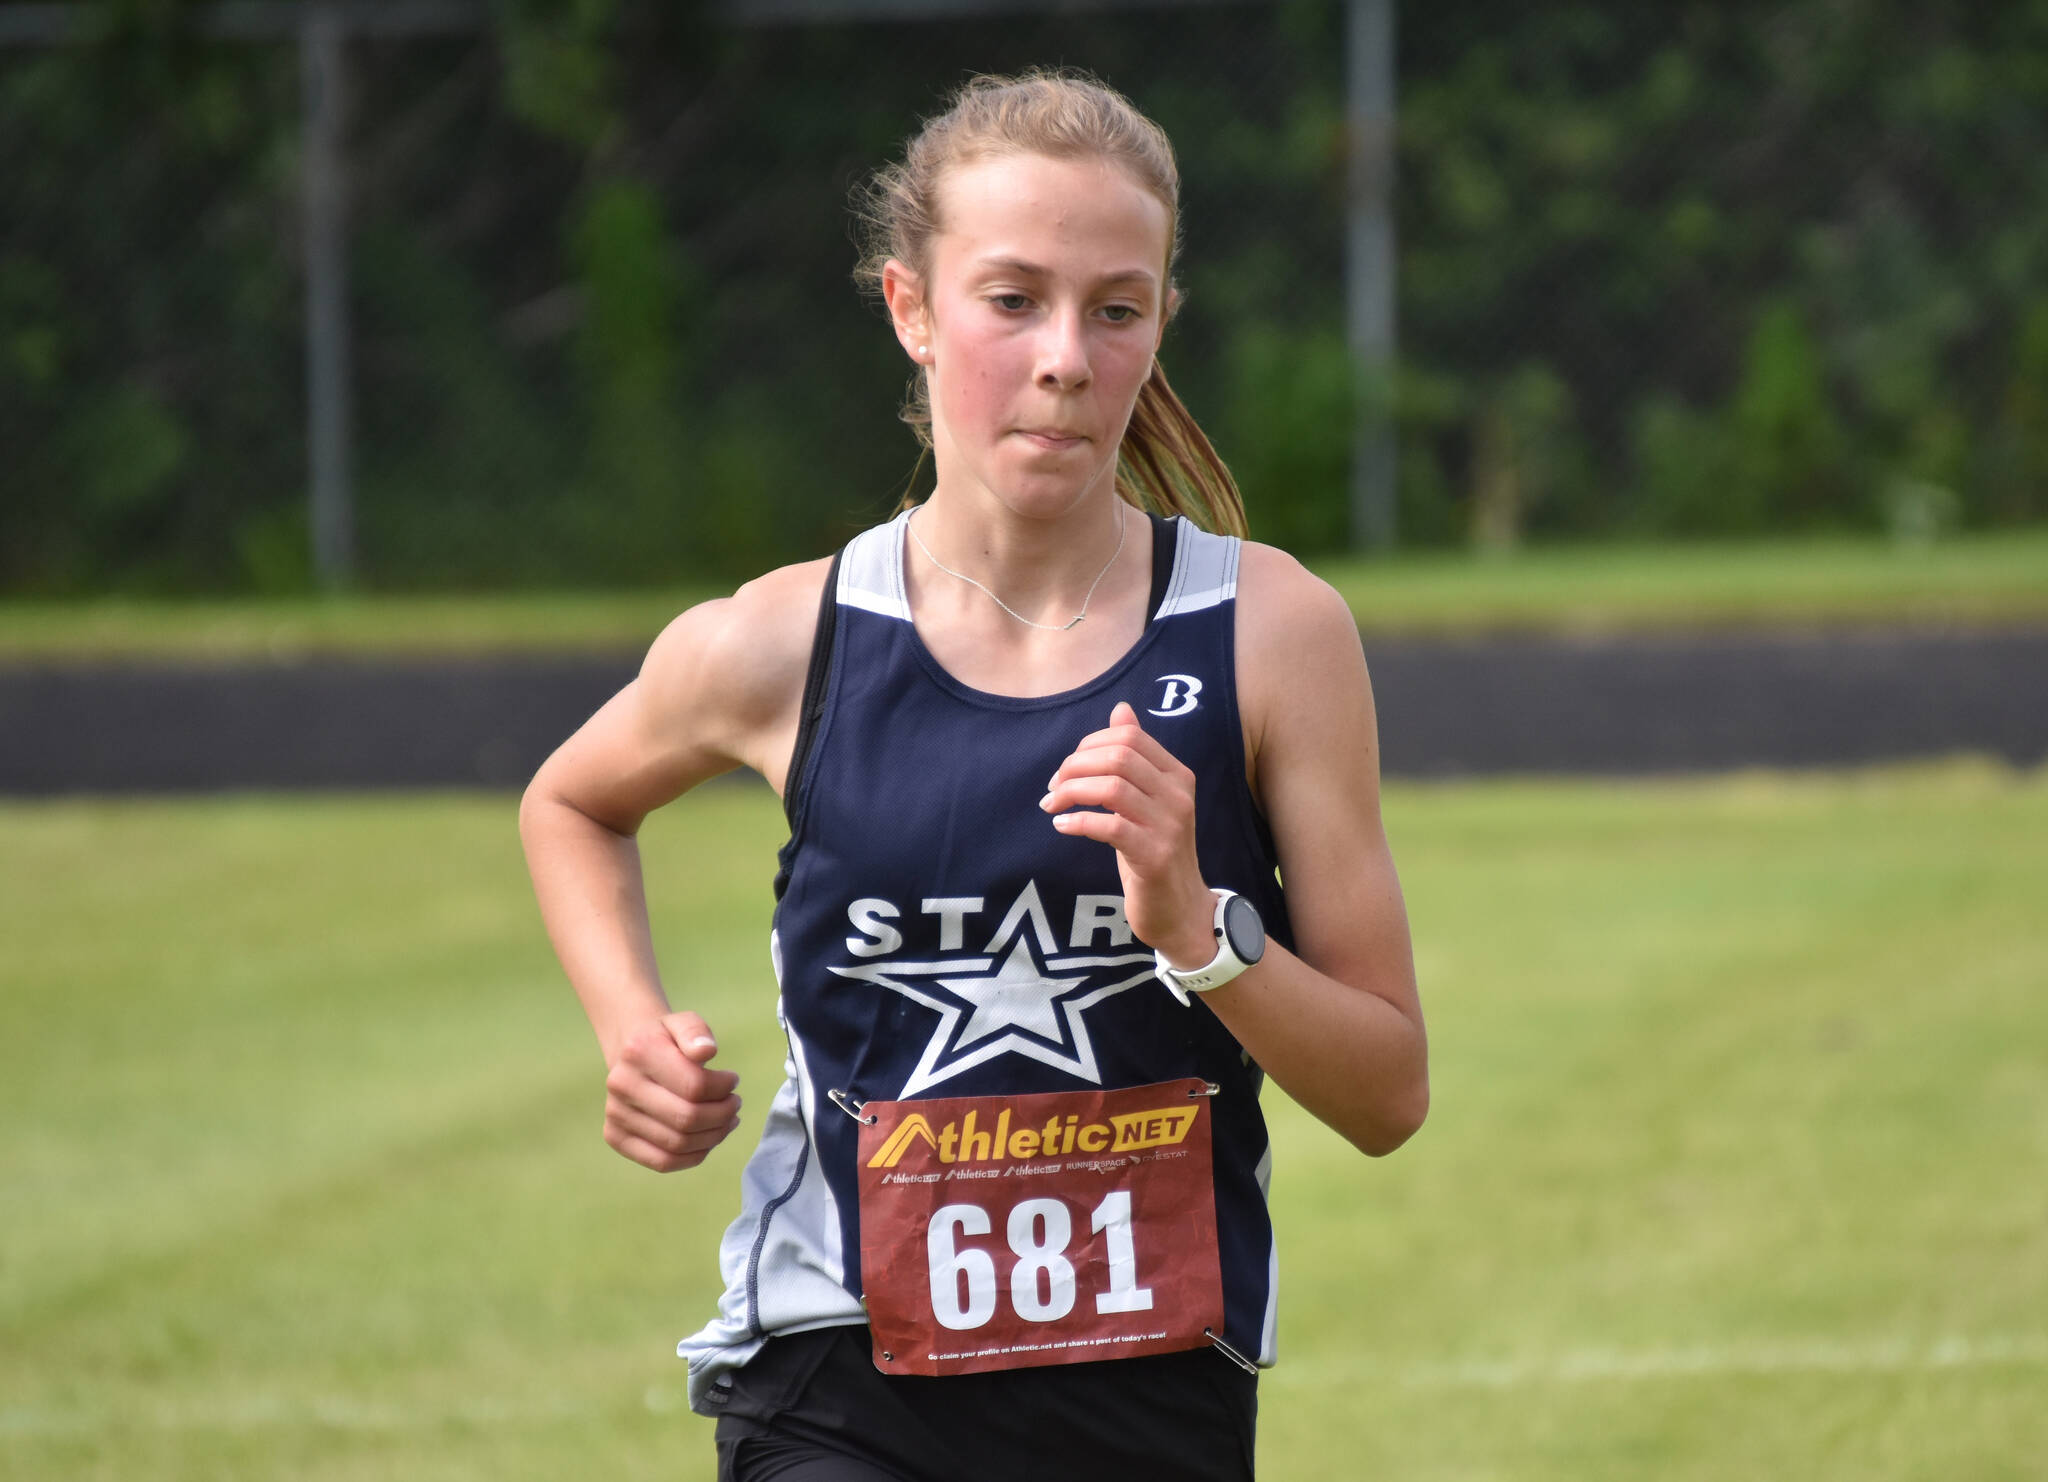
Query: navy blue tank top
x,y
935,935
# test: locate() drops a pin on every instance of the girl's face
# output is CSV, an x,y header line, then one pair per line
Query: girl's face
x,y
1043,305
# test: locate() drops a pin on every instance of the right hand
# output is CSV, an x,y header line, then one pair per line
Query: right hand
x,y
664,1107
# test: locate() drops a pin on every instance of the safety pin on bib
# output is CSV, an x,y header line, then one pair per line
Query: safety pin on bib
x,y
851,1106
1210,1088
1230,1353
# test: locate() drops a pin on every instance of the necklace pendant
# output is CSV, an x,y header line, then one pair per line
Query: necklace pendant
x,y
1122,520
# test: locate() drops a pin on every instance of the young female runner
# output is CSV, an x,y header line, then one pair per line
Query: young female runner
x,y
1047,757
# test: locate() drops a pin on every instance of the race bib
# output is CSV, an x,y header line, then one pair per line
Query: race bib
x,y
1005,1232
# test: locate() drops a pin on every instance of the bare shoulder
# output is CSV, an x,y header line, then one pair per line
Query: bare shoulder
x,y
1301,676
743,648
732,670
720,688
1291,623
1279,598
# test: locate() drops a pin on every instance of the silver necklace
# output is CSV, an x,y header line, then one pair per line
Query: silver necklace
x,y
1123,517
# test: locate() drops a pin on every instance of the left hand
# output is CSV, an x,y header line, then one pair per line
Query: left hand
x,y
1149,798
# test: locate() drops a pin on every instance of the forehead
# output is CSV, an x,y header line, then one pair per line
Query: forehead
x,y
1084,217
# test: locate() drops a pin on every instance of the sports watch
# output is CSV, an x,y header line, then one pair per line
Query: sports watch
x,y
1240,942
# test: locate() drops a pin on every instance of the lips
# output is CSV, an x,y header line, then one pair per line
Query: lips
x,y
1051,437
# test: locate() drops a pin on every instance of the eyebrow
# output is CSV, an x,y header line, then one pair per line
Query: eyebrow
x,y
1033,270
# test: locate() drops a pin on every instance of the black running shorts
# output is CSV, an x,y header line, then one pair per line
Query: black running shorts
x,y
812,1407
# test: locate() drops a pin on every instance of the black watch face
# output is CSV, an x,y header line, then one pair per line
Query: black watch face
x,y
1243,929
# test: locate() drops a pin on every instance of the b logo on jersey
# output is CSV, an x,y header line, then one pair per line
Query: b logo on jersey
x,y
1023,994
1178,696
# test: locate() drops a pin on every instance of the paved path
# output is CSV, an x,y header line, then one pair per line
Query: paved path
x,y
1447,708
1682,703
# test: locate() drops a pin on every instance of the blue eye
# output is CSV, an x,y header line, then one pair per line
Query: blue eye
x,y
1120,313
1012,302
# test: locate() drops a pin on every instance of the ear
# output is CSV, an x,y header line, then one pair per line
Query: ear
x,y
1166,316
903,292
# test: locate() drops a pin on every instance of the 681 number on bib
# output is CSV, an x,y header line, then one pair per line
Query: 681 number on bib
x,y
1009,1232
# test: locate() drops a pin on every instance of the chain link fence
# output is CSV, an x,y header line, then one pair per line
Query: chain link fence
x,y
1662,270
599,285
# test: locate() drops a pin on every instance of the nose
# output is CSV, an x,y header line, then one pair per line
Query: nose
x,y
1063,353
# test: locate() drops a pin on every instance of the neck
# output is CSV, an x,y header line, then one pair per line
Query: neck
x,y
1044,567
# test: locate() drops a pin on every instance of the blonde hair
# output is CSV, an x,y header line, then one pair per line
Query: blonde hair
x,y
1166,463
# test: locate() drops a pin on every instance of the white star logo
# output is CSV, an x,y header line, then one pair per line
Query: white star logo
x,y
1031,1005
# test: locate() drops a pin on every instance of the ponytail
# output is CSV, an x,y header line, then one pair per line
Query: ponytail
x,y
1168,466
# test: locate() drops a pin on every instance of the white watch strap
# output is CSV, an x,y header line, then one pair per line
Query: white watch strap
x,y
1220,969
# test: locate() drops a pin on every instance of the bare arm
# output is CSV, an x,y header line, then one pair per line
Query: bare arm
x,y
1339,1025
720,688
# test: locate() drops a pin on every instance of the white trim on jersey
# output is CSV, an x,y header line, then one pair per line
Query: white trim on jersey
x,y
1269,1330
1204,571
871,572
776,1278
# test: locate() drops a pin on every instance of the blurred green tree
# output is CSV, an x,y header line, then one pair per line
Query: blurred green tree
x,y
1663,270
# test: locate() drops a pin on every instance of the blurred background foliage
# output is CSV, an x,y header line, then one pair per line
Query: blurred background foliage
x,y
1689,269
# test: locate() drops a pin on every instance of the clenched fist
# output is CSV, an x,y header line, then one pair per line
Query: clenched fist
x,y
664,1107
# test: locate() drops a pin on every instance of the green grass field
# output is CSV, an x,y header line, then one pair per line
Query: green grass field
x,y
1734,1170
1991,579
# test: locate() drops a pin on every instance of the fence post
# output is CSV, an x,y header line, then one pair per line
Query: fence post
x,y
1369,267
324,101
